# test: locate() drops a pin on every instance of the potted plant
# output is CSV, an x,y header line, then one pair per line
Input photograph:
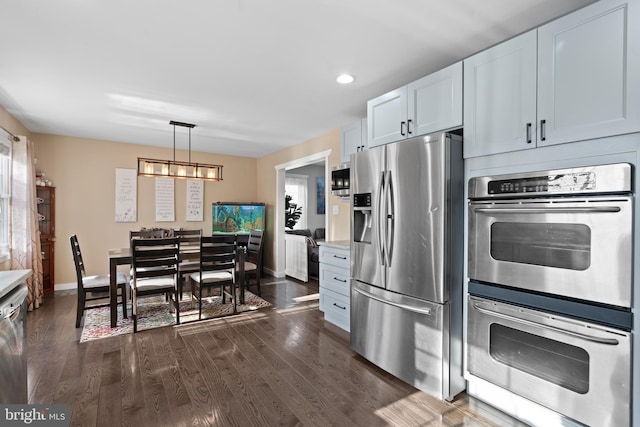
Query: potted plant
x,y
292,212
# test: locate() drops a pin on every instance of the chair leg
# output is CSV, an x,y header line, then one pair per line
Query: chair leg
x,y
234,298
134,310
200,302
124,301
258,284
177,304
80,311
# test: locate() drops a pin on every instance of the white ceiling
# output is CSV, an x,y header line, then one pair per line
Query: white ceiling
x,y
255,76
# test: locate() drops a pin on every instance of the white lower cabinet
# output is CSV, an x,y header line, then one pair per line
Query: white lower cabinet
x,y
335,291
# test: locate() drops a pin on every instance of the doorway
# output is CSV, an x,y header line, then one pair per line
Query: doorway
x,y
279,226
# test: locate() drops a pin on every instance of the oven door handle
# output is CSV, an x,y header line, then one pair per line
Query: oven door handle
x,y
592,209
599,340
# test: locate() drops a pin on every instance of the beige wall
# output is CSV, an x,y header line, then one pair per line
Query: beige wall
x,y
338,224
83,172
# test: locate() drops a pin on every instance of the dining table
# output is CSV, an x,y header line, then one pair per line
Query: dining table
x,y
122,256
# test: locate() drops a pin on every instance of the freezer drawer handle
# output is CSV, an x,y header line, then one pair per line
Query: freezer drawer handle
x,y
600,209
403,306
339,306
599,340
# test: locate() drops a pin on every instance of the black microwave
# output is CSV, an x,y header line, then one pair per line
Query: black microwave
x,y
340,180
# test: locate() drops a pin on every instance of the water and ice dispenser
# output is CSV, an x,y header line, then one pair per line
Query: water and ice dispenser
x,y
362,217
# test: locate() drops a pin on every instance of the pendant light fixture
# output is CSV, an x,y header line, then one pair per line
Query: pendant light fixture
x,y
178,169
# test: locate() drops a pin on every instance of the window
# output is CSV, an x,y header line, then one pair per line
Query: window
x,y
296,187
5,196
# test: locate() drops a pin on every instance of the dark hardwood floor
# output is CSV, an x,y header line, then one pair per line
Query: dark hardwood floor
x,y
283,365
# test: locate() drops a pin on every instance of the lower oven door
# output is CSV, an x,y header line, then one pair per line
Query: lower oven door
x,y
580,370
575,247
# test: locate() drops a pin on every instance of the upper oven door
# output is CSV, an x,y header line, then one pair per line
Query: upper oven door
x,y
579,247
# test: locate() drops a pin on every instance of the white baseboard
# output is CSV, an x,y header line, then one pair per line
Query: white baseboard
x,y
65,286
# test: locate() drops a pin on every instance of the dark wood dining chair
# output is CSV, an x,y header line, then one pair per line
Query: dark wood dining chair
x,y
155,270
190,258
217,269
94,288
253,259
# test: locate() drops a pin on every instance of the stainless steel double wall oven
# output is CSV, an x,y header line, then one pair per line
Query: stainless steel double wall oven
x,y
549,306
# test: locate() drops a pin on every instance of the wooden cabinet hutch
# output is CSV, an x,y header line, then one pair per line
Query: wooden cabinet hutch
x,y
46,222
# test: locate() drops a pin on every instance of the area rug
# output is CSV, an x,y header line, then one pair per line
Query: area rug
x,y
153,312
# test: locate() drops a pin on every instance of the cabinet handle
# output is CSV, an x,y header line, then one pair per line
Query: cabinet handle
x,y
528,133
340,257
409,126
402,129
543,132
339,280
339,306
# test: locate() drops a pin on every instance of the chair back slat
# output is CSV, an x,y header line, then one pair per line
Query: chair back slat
x,y
77,259
189,239
254,246
155,257
217,253
147,234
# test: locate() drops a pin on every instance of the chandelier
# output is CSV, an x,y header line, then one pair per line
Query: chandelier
x,y
178,169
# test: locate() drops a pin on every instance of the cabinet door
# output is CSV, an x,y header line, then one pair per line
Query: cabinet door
x,y
47,266
435,102
588,68
500,98
387,117
352,139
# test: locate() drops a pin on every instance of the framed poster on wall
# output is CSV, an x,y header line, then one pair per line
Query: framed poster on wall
x,y
126,195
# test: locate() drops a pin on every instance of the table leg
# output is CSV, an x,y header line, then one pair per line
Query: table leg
x,y
113,292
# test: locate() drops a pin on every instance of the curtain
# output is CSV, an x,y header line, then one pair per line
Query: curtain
x,y
24,234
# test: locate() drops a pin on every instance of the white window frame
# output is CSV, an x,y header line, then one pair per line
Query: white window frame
x,y
296,187
5,198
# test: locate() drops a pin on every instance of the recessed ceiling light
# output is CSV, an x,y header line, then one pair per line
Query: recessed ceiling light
x,y
345,79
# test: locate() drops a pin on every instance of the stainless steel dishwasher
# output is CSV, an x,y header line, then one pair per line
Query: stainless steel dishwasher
x,y
13,346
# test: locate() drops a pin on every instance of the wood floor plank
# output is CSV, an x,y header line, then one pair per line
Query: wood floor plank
x,y
279,366
261,402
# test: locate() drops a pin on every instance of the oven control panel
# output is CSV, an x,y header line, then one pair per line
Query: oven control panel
x,y
563,183
599,179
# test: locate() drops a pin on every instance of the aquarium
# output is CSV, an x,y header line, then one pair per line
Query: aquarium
x,y
237,217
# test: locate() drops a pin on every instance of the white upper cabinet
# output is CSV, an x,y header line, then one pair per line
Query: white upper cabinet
x,y
500,97
353,138
570,80
430,104
387,117
435,102
589,73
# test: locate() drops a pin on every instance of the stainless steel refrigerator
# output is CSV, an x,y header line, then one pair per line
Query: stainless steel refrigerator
x,y
406,260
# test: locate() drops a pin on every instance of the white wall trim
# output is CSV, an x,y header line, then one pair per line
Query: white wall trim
x,y
65,286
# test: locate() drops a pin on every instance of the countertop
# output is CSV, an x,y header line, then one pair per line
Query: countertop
x,y
10,279
338,244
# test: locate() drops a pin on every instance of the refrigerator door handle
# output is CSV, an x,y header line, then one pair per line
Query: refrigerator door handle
x,y
389,221
379,227
412,308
